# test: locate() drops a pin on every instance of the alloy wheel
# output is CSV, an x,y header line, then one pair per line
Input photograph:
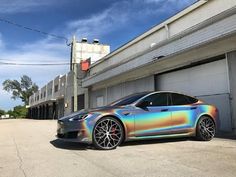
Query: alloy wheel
x,y
206,128
108,133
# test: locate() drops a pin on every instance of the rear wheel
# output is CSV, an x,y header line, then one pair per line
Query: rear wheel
x,y
205,129
108,133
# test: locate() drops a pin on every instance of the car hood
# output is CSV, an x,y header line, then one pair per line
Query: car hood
x,y
85,111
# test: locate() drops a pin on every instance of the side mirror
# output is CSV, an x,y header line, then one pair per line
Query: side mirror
x,y
143,104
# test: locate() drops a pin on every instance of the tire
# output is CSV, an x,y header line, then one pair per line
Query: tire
x,y
108,133
206,129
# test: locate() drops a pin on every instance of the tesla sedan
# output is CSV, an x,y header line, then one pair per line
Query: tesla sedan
x,y
146,115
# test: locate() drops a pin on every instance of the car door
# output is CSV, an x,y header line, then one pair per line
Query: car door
x,y
155,118
184,113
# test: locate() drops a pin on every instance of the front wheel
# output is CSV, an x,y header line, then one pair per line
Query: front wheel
x,y
108,133
205,129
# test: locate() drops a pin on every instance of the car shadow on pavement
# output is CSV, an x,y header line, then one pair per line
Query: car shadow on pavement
x,y
155,141
82,146
70,145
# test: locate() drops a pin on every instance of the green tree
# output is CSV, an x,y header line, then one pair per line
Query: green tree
x,y
2,112
11,113
22,89
20,111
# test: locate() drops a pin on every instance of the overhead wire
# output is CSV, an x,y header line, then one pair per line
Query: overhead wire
x,y
36,30
33,64
29,64
24,60
21,63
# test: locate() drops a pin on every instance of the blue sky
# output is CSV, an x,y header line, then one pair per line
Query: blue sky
x,y
113,22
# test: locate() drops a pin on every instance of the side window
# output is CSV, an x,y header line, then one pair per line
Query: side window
x,y
178,99
158,99
191,99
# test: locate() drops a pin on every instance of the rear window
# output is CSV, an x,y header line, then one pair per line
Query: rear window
x,y
179,99
128,100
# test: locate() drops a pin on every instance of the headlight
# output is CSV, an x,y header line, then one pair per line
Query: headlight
x,y
79,117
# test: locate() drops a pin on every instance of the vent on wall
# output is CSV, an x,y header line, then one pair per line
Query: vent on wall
x,y
84,40
96,41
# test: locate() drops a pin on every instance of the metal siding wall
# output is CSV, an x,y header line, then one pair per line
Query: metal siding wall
x,y
208,82
127,88
93,97
121,90
114,93
197,81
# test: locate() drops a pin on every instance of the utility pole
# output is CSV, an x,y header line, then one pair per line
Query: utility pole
x,y
74,69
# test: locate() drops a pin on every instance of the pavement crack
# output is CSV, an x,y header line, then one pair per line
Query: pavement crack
x,y
19,157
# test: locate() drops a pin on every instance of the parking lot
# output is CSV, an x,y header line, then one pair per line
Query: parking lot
x,y
29,148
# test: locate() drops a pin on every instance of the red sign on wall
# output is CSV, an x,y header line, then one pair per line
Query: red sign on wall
x,y
85,64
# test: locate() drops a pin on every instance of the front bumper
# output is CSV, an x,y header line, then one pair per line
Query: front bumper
x,y
74,131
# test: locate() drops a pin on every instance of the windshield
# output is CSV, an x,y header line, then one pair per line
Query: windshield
x,y
128,99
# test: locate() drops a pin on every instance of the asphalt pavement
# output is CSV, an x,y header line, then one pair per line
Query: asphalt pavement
x,y
28,148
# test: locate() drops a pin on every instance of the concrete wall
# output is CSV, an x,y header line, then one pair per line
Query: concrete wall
x,y
62,85
213,30
232,81
44,93
86,50
56,85
187,19
59,102
50,90
69,92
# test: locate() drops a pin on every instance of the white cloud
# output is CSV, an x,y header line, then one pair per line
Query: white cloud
x,y
16,6
39,52
102,23
2,45
123,14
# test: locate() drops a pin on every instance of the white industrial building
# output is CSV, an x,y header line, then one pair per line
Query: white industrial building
x,y
193,52
55,99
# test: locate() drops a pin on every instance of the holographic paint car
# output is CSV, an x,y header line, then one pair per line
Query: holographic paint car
x,y
146,115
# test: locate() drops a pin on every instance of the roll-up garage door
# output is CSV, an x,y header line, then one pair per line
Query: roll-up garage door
x,y
208,82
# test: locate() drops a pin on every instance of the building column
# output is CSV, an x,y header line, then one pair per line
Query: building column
x,y
47,112
29,113
86,98
231,59
50,112
37,113
43,112
54,111
34,113
33,109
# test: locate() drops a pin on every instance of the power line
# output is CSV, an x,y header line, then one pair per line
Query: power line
x,y
33,64
35,30
22,61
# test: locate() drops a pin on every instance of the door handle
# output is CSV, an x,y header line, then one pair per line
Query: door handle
x,y
164,110
193,108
